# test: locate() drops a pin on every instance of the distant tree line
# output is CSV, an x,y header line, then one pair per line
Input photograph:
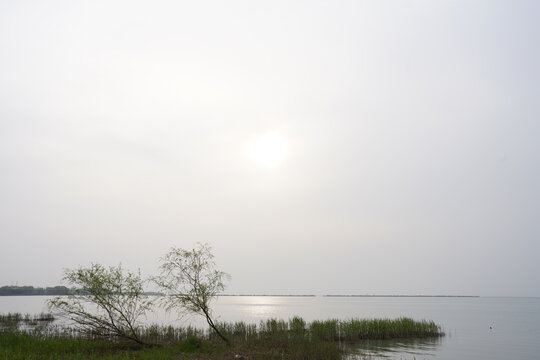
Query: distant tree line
x,y
30,290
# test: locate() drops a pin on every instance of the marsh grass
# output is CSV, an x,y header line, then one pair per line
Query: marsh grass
x,y
270,339
363,329
332,329
27,318
29,346
17,321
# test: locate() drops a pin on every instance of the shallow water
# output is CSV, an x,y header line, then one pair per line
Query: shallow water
x,y
514,322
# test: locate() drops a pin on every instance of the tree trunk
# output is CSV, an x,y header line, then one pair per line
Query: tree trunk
x,y
211,323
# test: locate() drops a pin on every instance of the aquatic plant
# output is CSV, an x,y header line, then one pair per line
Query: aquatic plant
x,y
270,339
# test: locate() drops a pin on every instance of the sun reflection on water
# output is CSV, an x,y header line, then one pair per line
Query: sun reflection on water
x,y
262,307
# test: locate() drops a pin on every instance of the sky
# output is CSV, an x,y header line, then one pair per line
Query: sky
x,y
319,147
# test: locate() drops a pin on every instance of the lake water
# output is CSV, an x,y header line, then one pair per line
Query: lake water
x,y
476,328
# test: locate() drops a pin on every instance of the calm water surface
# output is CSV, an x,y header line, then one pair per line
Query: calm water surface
x,y
514,322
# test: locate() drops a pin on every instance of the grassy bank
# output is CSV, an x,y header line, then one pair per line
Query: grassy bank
x,y
270,339
19,346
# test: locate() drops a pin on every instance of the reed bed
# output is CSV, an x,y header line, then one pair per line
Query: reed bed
x,y
17,321
39,337
277,329
363,329
18,317
332,330
170,334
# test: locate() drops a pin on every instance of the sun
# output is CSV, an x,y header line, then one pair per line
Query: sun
x,y
268,150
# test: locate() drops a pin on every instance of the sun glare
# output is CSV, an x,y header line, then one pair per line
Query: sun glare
x,y
268,150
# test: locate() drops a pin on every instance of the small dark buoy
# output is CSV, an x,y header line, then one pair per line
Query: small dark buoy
x,y
490,327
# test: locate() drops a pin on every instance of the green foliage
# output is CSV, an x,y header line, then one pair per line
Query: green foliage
x,y
270,339
190,345
362,329
297,325
24,346
108,304
190,279
331,330
190,282
21,346
325,330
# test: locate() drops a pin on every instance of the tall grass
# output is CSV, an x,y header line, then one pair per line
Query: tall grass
x,y
31,346
17,321
276,329
270,339
170,334
20,318
332,330
362,329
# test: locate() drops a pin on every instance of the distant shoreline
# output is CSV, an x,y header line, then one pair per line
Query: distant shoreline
x,y
331,295
62,290
275,295
411,296
272,295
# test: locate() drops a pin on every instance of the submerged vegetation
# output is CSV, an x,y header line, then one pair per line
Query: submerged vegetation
x,y
270,339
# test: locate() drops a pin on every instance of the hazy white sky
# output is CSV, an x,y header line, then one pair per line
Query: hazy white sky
x,y
319,146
